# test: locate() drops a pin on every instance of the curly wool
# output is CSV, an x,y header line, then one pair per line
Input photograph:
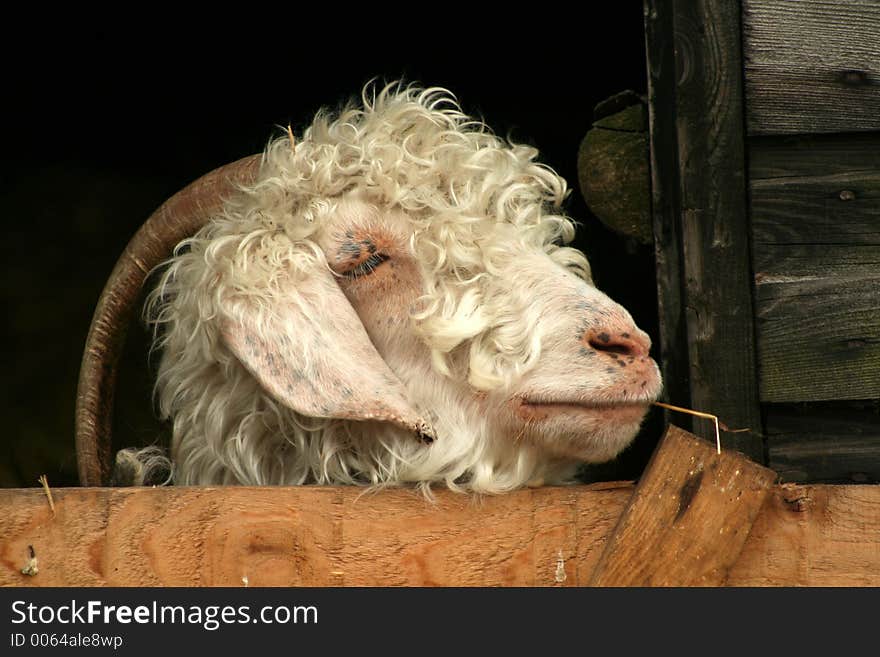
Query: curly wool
x,y
460,187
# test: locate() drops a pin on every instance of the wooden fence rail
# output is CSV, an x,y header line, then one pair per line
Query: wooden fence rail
x,y
309,536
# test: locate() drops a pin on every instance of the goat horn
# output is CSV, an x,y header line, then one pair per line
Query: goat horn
x,y
178,218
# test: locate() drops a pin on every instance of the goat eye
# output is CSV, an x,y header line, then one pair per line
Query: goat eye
x,y
367,266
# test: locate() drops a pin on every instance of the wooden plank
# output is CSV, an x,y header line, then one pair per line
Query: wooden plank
x,y
706,308
816,245
795,156
835,442
305,536
688,518
812,65
813,536
819,338
804,536
666,203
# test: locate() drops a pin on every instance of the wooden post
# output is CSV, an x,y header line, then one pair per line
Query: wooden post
x,y
700,213
688,518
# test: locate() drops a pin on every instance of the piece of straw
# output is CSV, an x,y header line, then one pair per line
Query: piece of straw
x,y
708,416
45,482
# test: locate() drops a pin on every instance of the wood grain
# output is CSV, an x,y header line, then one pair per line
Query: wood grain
x,y
832,442
306,536
701,214
804,536
687,519
816,246
794,156
812,65
813,536
666,202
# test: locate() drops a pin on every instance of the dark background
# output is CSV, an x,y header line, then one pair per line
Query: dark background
x,y
101,124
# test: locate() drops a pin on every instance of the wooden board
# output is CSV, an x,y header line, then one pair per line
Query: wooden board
x,y
700,212
810,155
666,203
305,536
811,65
824,535
687,519
816,246
814,536
836,442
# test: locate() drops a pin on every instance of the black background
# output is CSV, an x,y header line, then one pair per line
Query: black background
x,y
102,123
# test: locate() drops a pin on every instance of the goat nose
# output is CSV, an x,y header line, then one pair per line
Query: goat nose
x,y
626,343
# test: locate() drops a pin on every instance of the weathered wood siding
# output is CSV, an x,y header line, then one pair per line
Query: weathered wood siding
x,y
816,243
701,214
812,104
825,442
812,65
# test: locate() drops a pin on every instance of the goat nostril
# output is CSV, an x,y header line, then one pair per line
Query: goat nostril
x,y
623,344
611,347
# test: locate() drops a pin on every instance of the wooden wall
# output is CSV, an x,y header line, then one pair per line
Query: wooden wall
x,y
765,181
812,82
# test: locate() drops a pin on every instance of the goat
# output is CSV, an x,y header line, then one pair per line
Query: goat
x,y
391,301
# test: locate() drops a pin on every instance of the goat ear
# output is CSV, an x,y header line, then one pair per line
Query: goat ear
x,y
313,355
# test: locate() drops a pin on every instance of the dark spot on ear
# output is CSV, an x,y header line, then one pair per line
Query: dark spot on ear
x,y
610,370
586,352
603,338
621,363
349,234
370,246
624,335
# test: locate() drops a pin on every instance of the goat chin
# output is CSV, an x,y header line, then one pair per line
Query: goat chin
x,y
391,302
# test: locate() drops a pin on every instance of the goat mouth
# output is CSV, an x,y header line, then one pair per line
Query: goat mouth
x,y
540,409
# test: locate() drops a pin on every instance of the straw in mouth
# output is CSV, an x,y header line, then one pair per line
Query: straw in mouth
x,y
719,426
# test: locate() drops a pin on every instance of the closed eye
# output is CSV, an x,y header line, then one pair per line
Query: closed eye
x,y
367,266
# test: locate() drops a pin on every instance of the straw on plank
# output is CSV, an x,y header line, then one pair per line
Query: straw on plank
x,y
45,482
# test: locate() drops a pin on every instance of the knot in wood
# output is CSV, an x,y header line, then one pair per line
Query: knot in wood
x,y
854,77
796,498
